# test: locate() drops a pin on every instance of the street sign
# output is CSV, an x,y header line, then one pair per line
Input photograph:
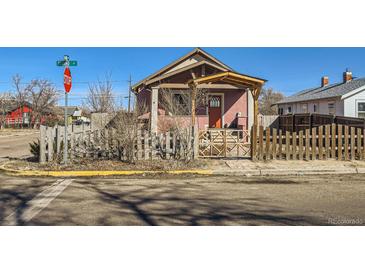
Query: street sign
x,y
67,80
72,63
62,63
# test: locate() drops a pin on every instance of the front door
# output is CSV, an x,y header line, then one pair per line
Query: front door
x,y
215,111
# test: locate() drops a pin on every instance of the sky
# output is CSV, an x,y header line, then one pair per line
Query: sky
x,y
287,69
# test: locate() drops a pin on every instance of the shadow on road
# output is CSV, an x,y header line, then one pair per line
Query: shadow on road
x,y
169,204
15,198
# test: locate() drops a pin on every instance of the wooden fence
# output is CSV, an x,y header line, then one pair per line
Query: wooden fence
x,y
105,143
303,121
225,142
324,142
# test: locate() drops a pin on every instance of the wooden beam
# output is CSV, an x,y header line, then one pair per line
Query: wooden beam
x,y
207,86
239,83
233,76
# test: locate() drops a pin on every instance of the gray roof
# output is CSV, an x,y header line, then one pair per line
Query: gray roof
x,y
329,91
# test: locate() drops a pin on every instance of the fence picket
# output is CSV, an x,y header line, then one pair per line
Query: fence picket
x,y
358,146
301,145
139,144
333,142
261,143
287,145
327,142
352,145
280,144
50,144
145,145
320,143
42,144
274,139
294,146
314,135
72,136
307,144
346,143
267,145
254,142
339,140
58,138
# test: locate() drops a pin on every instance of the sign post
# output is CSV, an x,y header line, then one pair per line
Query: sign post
x,y
67,82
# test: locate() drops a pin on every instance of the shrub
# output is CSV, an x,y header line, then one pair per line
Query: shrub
x,y
35,149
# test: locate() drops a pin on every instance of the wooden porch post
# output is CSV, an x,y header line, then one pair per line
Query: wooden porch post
x,y
154,109
193,104
255,94
255,110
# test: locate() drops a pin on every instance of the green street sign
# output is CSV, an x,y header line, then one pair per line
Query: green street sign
x,y
63,63
72,63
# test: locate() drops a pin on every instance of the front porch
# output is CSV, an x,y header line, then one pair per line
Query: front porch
x,y
223,100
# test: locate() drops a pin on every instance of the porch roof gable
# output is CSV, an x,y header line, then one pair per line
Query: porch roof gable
x,y
229,77
168,68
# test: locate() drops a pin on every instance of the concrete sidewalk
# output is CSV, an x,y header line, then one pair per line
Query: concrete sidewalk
x,y
283,167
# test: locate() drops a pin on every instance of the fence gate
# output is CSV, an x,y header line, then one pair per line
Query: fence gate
x,y
218,143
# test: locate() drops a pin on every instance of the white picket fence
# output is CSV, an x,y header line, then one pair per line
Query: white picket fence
x,y
83,142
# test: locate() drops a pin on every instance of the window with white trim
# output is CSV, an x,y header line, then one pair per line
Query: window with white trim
x,y
304,108
289,110
361,109
331,108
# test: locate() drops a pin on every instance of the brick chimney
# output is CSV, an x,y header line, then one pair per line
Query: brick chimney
x,y
324,81
347,76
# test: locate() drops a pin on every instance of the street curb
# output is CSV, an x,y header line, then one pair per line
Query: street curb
x,y
96,173
246,173
290,172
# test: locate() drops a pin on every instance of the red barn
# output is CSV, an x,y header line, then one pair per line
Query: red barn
x,y
17,115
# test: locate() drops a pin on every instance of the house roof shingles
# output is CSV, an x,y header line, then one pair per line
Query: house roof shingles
x,y
329,91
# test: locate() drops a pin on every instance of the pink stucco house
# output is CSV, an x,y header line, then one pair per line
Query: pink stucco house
x,y
230,98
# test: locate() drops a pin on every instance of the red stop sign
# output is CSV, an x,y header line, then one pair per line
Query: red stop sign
x,y
67,80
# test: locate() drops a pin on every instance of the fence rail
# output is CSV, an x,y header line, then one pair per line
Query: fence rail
x,y
324,142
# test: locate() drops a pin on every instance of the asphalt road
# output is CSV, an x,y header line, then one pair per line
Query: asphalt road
x,y
316,200
16,144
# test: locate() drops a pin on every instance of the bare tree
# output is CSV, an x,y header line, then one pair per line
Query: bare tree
x,y
21,93
127,125
178,104
100,97
267,98
43,96
6,102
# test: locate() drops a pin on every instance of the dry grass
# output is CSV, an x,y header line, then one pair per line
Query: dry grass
x,y
91,164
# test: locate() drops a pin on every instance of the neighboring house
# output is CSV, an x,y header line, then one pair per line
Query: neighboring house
x,y
230,101
74,114
16,115
346,98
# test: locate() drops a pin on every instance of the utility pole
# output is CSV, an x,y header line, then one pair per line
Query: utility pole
x,y
129,93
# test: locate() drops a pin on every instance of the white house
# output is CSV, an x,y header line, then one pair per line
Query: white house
x,y
346,98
